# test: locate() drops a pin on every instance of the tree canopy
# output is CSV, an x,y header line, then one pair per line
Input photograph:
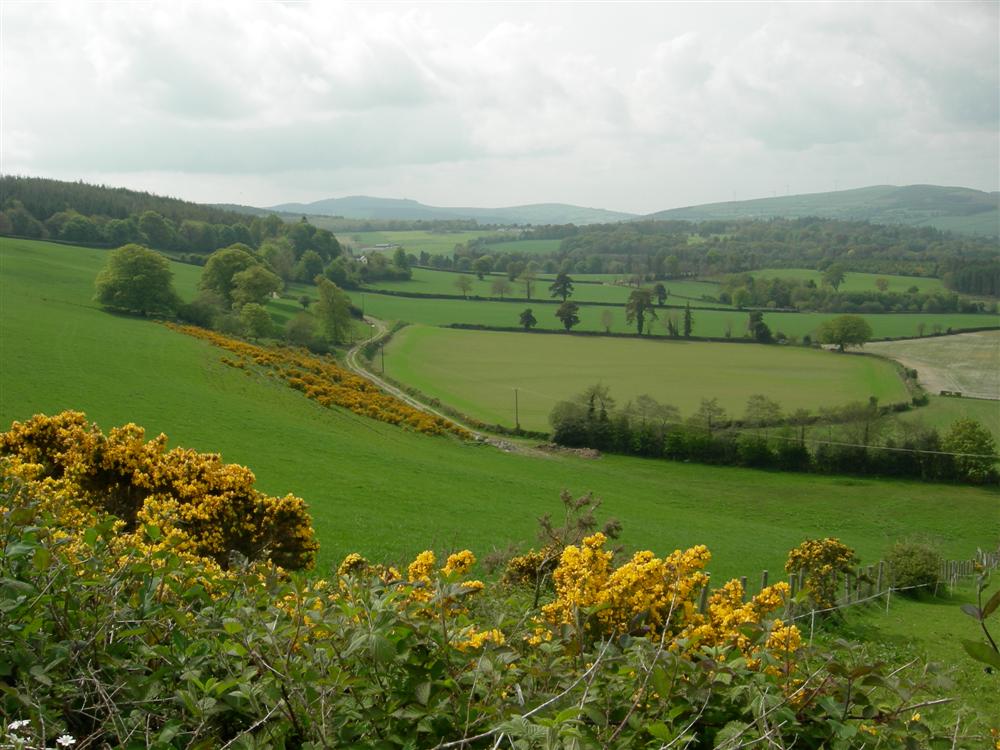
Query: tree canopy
x,y
845,330
137,279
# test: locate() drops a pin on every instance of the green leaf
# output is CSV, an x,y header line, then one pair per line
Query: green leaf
x,y
566,714
972,611
732,731
153,532
660,682
982,652
380,648
422,692
992,604
660,731
232,626
41,559
90,536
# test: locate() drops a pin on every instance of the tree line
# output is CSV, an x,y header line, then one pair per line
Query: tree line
x,y
858,438
235,286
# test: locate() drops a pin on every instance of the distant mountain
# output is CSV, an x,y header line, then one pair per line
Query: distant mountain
x,y
366,207
953,209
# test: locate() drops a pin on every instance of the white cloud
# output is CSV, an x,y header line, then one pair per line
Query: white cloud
x,y
635,107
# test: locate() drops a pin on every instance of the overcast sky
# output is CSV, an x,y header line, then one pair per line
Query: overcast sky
x,y
636,107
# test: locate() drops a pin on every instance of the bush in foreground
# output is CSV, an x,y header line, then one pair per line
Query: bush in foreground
x,y
116,645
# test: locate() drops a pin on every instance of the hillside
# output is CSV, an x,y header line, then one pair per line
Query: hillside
x,y
62,352
953,209
366,207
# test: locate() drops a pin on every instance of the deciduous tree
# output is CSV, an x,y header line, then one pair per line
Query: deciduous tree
x,y
568,313
137,279
845,330
561,287
639,305
528,319
333,310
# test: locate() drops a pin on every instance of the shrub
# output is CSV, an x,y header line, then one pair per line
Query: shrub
x,y
913,564
200,505
821,560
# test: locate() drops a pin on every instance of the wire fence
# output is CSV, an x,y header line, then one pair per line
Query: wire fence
x,y
865,585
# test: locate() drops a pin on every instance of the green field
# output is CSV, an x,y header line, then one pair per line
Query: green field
x,y
711,323
413,241
477,372
428,281
388,493
968,364
528,247
853,281
943,411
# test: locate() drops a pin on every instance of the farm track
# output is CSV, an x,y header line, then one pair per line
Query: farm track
x,y
353,362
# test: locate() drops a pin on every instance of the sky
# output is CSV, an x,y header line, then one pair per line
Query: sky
x,y
634,107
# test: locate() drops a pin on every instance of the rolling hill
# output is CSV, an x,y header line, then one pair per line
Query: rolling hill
x,y
954,209
366,207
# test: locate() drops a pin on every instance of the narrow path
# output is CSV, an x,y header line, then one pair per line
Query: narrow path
x,y
353,362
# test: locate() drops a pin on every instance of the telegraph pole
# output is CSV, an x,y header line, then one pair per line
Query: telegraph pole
x,y
517,421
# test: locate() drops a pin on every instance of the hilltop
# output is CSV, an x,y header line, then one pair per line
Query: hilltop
x,y
954,209
367,207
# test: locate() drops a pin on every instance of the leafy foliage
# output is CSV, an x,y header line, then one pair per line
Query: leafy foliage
x,y
137,279
914,564
116,646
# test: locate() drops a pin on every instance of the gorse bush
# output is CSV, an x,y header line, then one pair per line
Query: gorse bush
x,y
124,640
200,505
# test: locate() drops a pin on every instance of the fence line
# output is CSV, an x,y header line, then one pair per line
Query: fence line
x,y
868,584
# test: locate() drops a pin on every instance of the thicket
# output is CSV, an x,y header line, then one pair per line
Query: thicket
x,y
860,439
104,642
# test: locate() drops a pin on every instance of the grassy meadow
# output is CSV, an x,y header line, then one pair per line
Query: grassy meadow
x,y
388,493
413,241
428,281
855,281
477,371
711,323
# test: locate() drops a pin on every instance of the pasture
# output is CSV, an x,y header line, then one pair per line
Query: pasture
x,y
413,241
477,372
710,323
429,281
854,281
388,493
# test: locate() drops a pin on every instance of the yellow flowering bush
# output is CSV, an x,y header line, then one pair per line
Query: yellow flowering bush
x,y
201,506
821,560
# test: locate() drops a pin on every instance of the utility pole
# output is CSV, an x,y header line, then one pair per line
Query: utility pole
x,y
517,420
382,350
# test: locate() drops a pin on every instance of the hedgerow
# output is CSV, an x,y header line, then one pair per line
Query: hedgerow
x,y
119,640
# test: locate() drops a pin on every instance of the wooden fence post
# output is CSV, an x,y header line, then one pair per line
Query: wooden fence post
x,y
763,580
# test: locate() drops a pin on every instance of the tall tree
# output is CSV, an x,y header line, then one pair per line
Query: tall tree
x,y
710,416
607,319
528,319
137,279
845,330
333,309
254,285
639,305
561,287
568,313
661,294
482,266
500,287
464,284
688,321
527,277
834,276
222,266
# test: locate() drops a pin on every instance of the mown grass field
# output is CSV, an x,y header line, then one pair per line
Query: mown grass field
x,y
477,372
388,493
968,363
711,323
